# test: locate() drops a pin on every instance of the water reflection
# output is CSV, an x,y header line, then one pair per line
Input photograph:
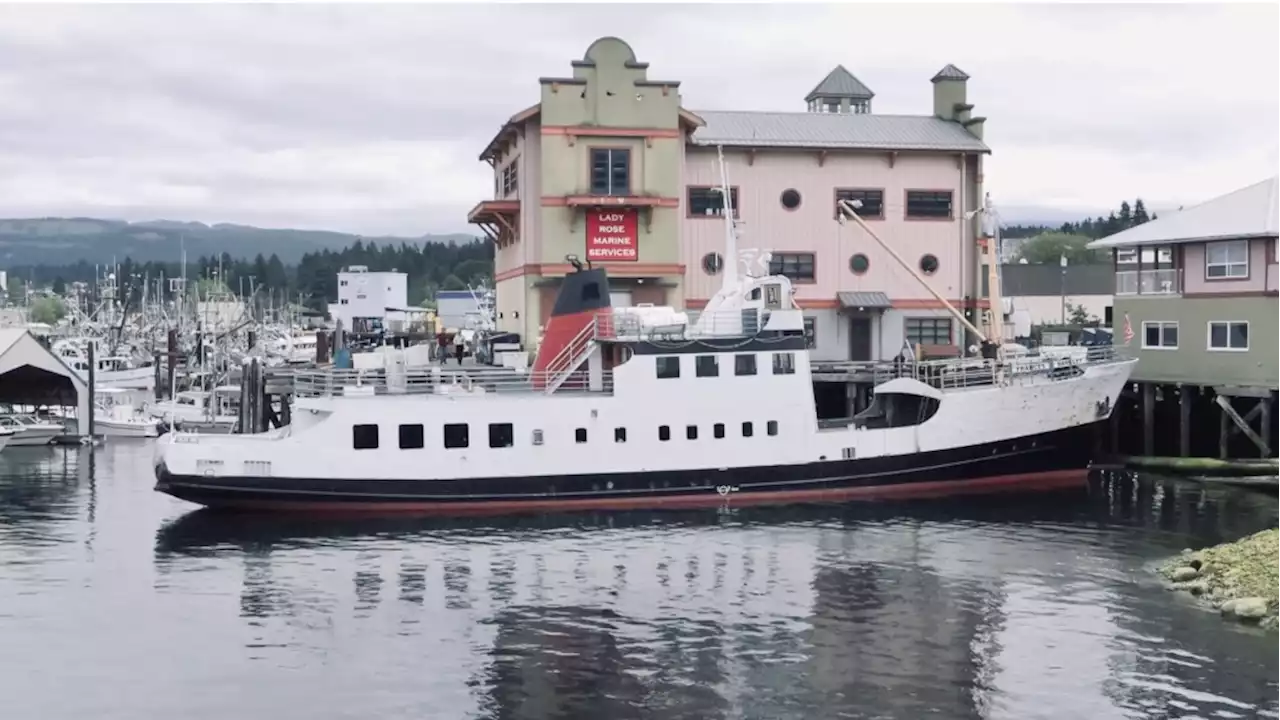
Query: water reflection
x,y
982,607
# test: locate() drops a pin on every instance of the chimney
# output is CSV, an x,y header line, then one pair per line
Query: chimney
x,y
950,100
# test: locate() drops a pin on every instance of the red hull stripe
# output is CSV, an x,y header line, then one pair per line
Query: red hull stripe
x,y
1056,479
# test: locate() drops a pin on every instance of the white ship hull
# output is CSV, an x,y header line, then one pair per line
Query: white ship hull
x,y
125,428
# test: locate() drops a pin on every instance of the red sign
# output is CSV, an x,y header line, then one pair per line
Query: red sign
x,y
611,235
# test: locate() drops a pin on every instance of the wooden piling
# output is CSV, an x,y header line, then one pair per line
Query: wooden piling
x,y
1148,419
172,364
1184,421
1224,434
93,381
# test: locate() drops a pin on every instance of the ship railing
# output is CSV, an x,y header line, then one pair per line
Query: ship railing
x,y
644,324
438,381
973,372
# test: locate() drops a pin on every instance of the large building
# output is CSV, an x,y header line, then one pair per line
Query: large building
x,y
610,168
365,298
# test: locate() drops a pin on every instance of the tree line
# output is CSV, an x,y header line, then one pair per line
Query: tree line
x,y
431,266
1045,244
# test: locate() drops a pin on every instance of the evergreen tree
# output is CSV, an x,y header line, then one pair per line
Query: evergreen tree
x,y
1139,212
1126,215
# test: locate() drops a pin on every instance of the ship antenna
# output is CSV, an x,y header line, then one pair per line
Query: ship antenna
x,y
730,231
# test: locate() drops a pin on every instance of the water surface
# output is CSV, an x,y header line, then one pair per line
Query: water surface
x,y
119,602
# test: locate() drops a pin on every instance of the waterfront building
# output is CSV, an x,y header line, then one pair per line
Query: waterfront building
x,y
611,168
1195,301
364,298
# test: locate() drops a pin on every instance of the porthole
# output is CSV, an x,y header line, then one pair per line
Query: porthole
x,y
859,264
928,264
790,199
712,263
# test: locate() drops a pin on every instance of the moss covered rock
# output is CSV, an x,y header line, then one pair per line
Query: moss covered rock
x,y
1244,574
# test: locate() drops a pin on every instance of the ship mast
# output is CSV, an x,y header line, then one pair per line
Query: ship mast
x,y
730,230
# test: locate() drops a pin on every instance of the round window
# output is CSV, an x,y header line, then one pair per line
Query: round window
x,y
928,264
790,199
859,264
713,263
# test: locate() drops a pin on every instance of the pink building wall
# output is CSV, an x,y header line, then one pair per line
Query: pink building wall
x,y
812,226
1194,281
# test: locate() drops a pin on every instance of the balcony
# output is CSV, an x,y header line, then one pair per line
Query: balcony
x,y
1149,282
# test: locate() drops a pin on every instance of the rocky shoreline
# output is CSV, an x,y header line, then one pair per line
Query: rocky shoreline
x,y
1240,579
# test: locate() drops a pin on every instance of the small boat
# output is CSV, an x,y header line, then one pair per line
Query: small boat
x,y
115,415
27,430
5,436
198,409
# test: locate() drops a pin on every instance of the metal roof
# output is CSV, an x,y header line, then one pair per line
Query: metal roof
x,y
1249,212
834,130
867,300
950,72
840,83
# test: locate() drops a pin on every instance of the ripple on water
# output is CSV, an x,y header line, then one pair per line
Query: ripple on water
x,y
995,608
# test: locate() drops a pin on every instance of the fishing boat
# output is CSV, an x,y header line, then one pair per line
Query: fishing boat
x,y
650,406
117,371
27,430
116,415
198,409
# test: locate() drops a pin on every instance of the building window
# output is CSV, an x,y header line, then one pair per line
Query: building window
x,y
795,266
747,429
928,264
580,435
691,432
790,199
811,333
709,202
457,435
859,264
610,171
619,435
501,435
411,437
744,364
718,431
712,263
771,427
510,178
1157,335
1226,260
929,204
872,207
784,364
706,366
928,331
668,367
664,432
1229,335
364,437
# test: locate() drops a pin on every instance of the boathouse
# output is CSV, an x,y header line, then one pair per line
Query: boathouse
x,y
1195,301
30,374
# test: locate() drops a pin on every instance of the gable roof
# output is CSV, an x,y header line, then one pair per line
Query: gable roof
x,y
1249,212
950,72
834,131
840,83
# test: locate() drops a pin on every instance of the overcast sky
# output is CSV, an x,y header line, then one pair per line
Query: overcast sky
x,y
370,118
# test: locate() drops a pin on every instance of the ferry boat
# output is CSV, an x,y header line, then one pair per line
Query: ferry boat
x,y
645,407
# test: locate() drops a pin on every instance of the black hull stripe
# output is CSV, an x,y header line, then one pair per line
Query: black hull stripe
x,y
1064,450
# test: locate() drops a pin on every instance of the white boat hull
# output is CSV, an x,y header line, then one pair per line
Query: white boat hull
x,y
125,428
35,436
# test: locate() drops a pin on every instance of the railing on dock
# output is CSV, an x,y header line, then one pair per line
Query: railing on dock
x,y
434,381
974,372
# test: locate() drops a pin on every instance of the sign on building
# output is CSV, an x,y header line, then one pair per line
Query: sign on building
x,y
611,235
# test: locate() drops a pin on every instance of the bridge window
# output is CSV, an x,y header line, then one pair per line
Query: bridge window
x,y
411,437
668,367
784,364
457,435
744,364
501,435
364,437
707,366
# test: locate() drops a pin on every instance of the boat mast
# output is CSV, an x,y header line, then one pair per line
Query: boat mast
x,y
730,231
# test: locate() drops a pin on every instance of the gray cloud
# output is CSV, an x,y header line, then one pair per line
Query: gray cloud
x,y
369,118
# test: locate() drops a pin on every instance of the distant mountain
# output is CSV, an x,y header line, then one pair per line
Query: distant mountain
x,y
34,241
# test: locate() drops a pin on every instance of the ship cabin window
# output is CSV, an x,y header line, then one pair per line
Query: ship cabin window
x,y
664,432
691,432
364,437
707,366
580,435
744,364
457,435
771,427
784,364
718,431
619,434
590,291
668,367
411,437
537,437
747,429
501,435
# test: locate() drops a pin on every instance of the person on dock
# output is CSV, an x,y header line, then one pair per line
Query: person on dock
x,y
459,346
442,347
